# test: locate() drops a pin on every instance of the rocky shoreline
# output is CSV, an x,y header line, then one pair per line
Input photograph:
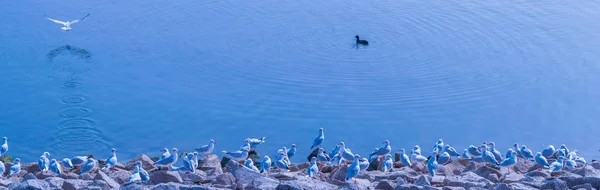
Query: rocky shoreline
x,y
214,173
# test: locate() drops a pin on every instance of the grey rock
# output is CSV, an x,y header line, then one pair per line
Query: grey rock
x,y
147,163
535,182
453,188
485,171
438,180
176,186
30,167
575,181
164,176
44,175
356,184
468,180
135,185
538,174
69,175
120,176
555,184
225,179
73,184
595,164
209,162
31,184
587,171
340,173
493,178
400,181
7,182
385,185
422,181
414,187
586,186
368,176
197,177
87,176
284,176
512,186
55,182
29,176
242,174
511,178
262,183
109,181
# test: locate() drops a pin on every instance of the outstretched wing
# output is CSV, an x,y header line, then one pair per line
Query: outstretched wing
x,y
55,21
75,21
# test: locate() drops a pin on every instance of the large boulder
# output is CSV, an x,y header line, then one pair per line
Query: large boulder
x,y
209,162
356,184
385,185
55,182
555,184
422,181
73,184
120,176
305,183
468,180
197,177
486,171
242,174
109,181
575,181
225,179
29,176
32,184
135,185
512,186
587,171
44,175
164,176
262,183
69,175
340,173
147,163
30,167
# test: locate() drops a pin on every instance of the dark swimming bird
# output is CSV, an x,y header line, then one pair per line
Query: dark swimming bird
x,y
359,41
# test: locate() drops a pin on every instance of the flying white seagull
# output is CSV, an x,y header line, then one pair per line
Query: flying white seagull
x,y
67,25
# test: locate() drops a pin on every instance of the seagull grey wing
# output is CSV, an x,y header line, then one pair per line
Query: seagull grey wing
x,y
75,21
56,21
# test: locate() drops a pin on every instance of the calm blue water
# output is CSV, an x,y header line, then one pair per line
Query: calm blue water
x,y
178,73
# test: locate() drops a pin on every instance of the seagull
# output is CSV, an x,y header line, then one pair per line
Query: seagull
x,y
404,158
450,150
518,150
292,151
2,169
439,145
432,164
237,156
417,158
334,151
444,158
388,163
89,165
246,144
385,149
168,161
363,163
416,150
265,165
571,164
526,153
353,169
135,175
4,147
321,156
336,159
473,151
79,160
465,154
319,139
66,162
67,25
188,163
312,169
548,151
143,173
255,142
281,164
44,162
207,149
15,168
55,166
510,161
250,165
344,152
488,156
495,152
112,160
564,147
541,160
509,153
556,165
165,153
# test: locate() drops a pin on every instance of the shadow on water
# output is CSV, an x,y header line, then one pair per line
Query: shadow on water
x,y
77,130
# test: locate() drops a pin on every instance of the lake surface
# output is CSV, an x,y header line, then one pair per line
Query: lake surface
x,y
143,75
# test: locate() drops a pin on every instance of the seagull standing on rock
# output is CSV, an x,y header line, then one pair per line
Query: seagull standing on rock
x,y
188,163
363,163
526,153
495,152
432,164
319,139
404,158
67,24
556,165
89,165
388,163
292,151
465,154
548,151
135,175
353,169
207,149
15,168
250,165
66,162
473,151
55,166
143,173
165,153
344,152
237,156
4,147
385,149
168,161
265,165
488,156
112,160
312,169
321,156
509,162
444,158
281,163
541,160
44,162
450,150
416,150
79,160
